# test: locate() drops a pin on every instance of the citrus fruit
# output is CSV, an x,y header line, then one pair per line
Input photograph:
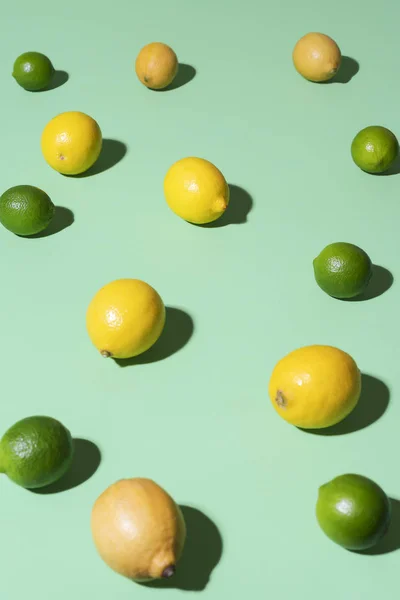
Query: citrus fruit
x,y
353,511
71,142
317,57
25,210
33,71
374,149
156,65
125,318
138,529
36,451
196,190
315,386
342,270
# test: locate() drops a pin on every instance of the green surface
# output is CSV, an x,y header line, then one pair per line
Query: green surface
x,y
199,421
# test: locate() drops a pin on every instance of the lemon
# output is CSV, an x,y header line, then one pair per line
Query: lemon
x,y
317,57
315,386
196,190
25,210
125,318
374,149
353,511
71,142
156,65
36,451
33,71
343,270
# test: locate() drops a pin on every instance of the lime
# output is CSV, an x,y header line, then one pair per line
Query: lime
x,y
353,511
36,451
33,71
25,210
374,149
342,270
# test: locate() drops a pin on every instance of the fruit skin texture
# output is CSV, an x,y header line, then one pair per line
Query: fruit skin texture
x,y
25,210
138,529
315,386
125,318
196,190
36,451
71,142
317,57
374,149
342,270
156,65
33,71
353,511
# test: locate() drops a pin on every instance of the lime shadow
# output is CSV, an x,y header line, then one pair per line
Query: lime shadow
x,y
201,554
372,404
63,218
381,280
391,540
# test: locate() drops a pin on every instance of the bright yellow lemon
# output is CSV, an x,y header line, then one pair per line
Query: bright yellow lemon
x,y
71,142
125,318
196,190
315,386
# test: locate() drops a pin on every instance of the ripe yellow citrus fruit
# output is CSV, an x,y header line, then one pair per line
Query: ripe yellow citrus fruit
x,y
125,318
317,57
71,142
156,65
315,386
196,190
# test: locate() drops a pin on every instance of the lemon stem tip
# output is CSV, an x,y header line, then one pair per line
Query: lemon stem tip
x,y
168,571
105,353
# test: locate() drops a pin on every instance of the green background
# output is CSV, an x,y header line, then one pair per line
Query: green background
x,y
194,413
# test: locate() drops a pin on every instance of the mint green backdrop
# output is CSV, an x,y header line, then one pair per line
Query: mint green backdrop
x,y
194,413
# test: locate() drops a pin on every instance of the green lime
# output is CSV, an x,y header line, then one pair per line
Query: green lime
x,y
353,511
36,451
25,210
342,270
374,149
33,71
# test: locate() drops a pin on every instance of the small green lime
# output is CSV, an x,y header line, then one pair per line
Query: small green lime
x,y
36,451
353,511
33,71
342,270
374,149
25,210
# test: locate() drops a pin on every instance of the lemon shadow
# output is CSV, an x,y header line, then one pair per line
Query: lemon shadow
x,y
381,281
349,68
391,540
373,402
239,207
85,462
184,76
201,554
178,330
112,152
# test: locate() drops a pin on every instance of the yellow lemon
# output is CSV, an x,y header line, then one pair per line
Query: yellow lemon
x,y
156,65
317,57
315,386
71,142
196,190
125,318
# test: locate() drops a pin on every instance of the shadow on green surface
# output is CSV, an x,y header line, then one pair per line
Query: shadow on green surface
x,y
391,541
381,280
240,204
85,462
178,330
185,74
112,152
201,554
348,69
372,405
59,78
394,169
63,218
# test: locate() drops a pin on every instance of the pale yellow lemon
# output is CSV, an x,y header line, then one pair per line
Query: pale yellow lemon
x,y
125,318
156,65
196,190
315,386
317,57
138,529
71,142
